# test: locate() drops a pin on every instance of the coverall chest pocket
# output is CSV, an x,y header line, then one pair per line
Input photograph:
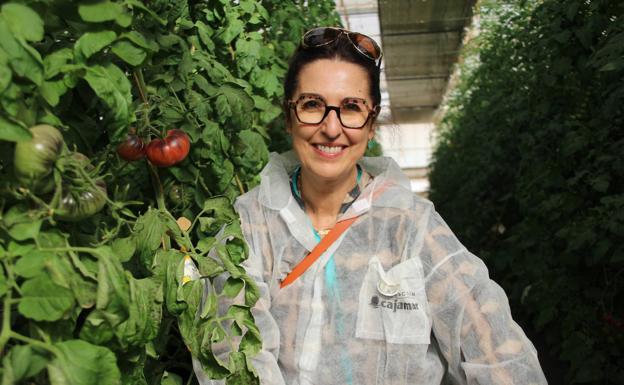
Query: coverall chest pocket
x,y
393,304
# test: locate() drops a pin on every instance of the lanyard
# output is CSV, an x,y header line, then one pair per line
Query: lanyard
x,y
339,228
320,248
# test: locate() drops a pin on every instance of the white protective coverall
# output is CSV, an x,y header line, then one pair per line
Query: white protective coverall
x,y
441,320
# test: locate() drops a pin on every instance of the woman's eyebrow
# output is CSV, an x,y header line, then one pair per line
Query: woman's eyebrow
x,y
311,94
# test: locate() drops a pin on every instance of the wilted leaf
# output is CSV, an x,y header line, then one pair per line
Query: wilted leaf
x,y
145,313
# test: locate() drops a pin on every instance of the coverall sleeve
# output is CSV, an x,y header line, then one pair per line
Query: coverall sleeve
x,y
471,318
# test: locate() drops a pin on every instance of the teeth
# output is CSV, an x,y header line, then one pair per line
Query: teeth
x,y
328,149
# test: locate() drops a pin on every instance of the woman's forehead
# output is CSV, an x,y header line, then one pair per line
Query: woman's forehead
x,y
333,79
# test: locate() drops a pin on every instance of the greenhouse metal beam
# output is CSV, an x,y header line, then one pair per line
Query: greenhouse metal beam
x,y
421,41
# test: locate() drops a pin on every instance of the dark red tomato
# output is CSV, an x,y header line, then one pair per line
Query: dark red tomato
x,y
169,151
132,148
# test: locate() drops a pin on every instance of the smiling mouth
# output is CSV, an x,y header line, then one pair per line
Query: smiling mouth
x,y
331,150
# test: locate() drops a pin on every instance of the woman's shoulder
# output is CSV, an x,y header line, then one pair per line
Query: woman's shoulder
x,y
248,200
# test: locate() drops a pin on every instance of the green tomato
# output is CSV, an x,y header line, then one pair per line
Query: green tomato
x,y
75,207
34,159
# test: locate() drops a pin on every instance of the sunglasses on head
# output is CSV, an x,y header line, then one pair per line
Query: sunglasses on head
x,y
365,45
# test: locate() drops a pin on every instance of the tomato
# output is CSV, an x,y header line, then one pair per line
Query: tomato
x,y
80,199
169,151
132,148
34,159
75,207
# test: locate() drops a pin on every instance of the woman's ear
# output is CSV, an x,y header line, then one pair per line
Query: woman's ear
x,y
371,132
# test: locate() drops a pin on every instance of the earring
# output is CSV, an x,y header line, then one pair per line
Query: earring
x,y
371,144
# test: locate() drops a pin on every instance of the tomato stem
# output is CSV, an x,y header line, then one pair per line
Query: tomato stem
x,y
6,319
160,200
140,83
32,341
239,183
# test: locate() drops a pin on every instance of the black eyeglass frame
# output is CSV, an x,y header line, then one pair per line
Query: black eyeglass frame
x,y
371,112
350,35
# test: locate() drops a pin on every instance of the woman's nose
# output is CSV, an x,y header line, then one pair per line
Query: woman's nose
x,y
332,127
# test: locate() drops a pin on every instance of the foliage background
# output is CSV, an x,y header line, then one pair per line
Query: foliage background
x,y
529,172
102,301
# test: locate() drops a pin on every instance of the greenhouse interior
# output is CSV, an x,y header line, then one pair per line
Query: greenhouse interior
x,y
311,192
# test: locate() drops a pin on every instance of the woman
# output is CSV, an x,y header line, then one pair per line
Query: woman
x,y
395,298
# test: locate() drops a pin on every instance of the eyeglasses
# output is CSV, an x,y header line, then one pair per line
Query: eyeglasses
x,y
365,45
312,109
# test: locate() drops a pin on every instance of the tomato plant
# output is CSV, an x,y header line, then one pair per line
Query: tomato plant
x,y
92,266
171,150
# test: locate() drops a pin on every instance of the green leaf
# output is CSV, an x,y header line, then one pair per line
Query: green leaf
x,y
233,28
81,363
52,91
145,313
32,264
43,300
25,61
57,62
23,21
211,301
4,287
140,40
93,42
233,286
167,264
113,292
191,294
12,132
233,103
100,11
251,151
111,85
138,4
96,328
5,71
21,224
24,362
62,269
148,232
124,248
128,52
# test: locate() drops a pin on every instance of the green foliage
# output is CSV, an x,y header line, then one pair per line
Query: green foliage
x,y
101,296
529,172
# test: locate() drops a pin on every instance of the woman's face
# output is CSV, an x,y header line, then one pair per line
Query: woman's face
x,y
328,151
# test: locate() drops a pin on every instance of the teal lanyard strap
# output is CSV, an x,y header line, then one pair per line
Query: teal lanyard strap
x,y
332,281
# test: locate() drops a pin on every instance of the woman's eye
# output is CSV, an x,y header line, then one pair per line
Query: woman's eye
x,y
311,105
352,106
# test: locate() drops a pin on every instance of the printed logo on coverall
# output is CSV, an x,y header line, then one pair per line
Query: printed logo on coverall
x,y
394,304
